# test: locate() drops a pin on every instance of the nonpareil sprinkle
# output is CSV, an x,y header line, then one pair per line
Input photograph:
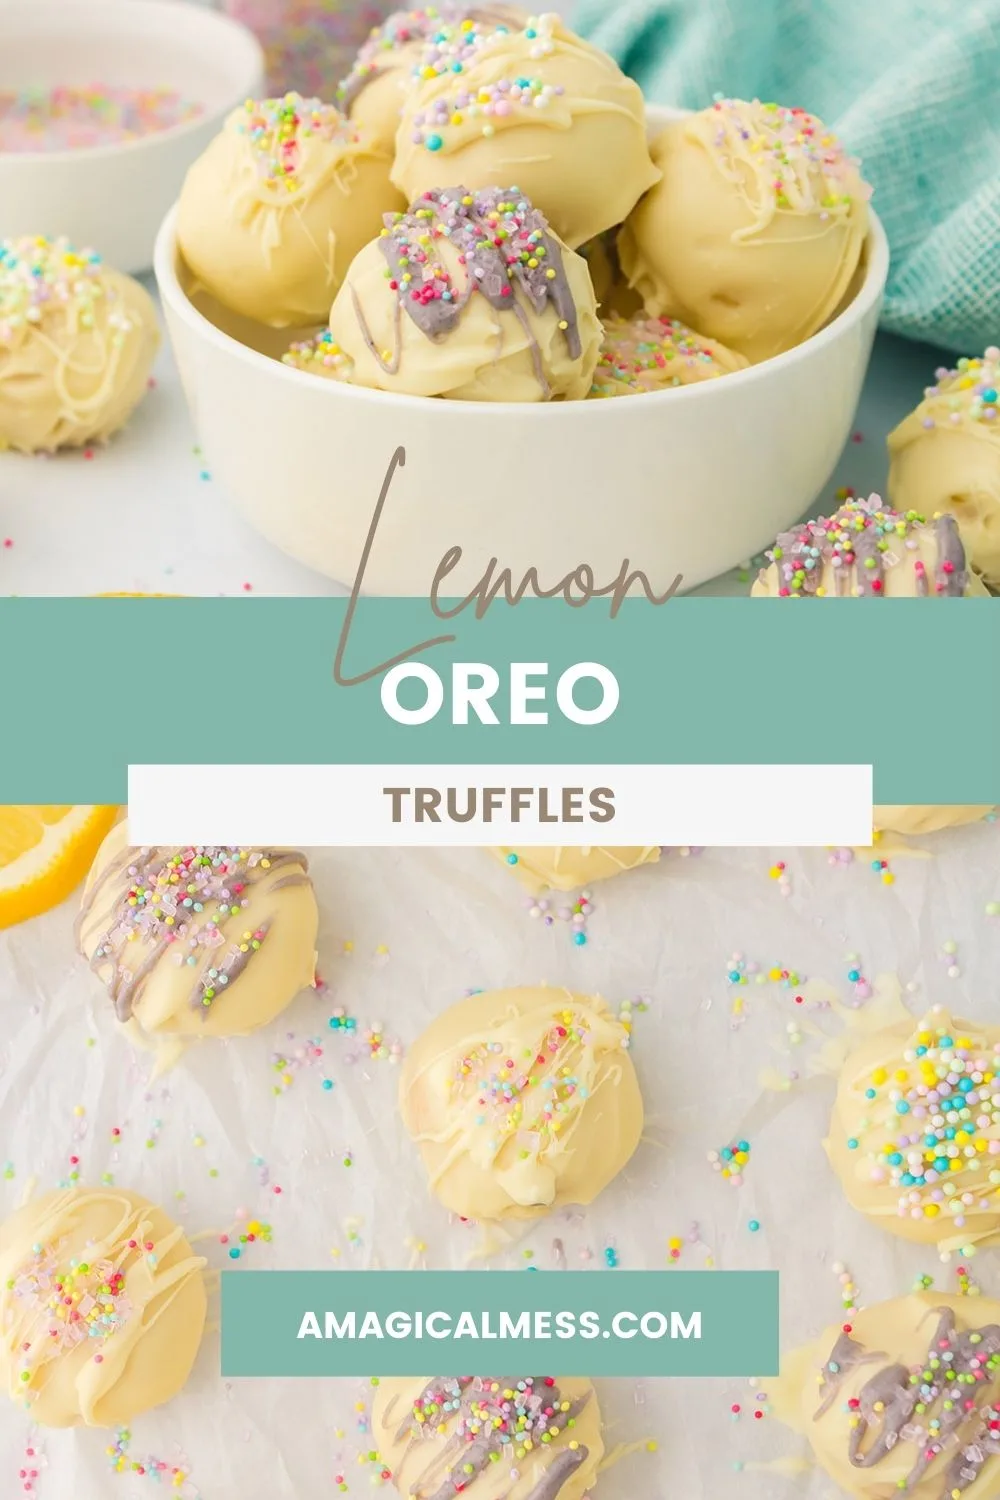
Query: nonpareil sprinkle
x,y
731,1161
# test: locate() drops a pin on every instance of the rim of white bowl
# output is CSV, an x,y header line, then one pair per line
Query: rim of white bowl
x,y
228,34
868,295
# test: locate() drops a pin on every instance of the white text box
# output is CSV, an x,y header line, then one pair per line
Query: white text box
x,y
355,805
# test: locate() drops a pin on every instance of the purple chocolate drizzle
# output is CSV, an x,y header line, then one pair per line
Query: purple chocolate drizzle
x,y
856,542
952,575
410,28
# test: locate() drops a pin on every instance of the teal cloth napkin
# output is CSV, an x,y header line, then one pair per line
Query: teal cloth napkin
x,y
912,87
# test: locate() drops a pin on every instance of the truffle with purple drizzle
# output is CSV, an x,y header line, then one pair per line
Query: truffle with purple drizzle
x,y
470,296
946,455
198,941
904,1399
533,1437
373,91
865,549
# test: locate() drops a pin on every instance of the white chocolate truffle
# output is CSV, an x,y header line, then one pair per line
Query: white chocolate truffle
x,y
868,550
919,820
945,456
198,942
437,307
904,1400
77,344
372,93
525,1438
645,354
535,107
569,869
915,1131
755,229
274,211
521,1101
102,1307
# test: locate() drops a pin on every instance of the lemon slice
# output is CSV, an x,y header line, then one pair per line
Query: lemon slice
x,y
45,852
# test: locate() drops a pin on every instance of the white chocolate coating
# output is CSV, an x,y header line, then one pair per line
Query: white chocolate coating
x,y
656,354
373,93
274,211
319,355
571,868
915,1131
580,154
946,456
224,966
521,1101
755,229
77,344
95,1327
919,820
868,550
878,1408
480,1437
517,351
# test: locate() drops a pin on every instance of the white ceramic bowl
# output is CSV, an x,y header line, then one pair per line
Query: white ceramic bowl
x,y
690,481
112,198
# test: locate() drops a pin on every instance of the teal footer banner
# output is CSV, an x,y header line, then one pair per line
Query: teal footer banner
x,y
427,1323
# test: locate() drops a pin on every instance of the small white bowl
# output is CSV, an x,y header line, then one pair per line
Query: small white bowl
x,y
688,481
112,198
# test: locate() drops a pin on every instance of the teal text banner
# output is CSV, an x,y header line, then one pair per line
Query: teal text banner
x,y
89,686
426,1323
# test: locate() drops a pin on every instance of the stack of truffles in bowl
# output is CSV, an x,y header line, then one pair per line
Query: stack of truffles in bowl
x,y
482,217
486,228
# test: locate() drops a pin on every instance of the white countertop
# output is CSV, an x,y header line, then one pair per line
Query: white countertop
x,y
403,933
144,514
